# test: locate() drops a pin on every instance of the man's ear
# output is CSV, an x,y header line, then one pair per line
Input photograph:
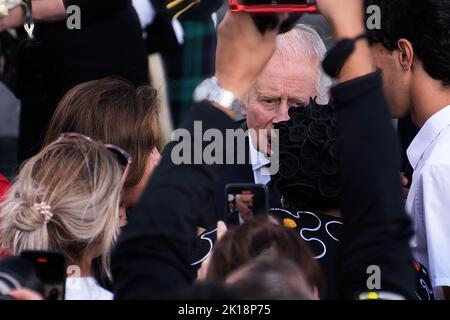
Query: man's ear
x,y
245,102
406,54
244,110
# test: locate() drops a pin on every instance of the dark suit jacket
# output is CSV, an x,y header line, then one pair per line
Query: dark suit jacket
x,y
240,173
153,255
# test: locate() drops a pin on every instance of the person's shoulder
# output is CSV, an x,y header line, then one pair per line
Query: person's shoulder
x,y
439,154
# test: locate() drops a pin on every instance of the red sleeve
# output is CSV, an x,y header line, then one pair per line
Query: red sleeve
x,y
4,186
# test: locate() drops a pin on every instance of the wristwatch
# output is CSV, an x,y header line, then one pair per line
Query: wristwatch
x,y
210,90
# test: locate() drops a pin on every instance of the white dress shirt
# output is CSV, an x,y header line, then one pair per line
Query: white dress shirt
x,y
429,197
259,161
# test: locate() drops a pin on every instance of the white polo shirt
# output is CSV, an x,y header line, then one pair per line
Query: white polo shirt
x,y
429,197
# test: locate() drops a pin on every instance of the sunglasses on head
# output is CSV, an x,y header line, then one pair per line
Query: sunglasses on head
x,y
123,157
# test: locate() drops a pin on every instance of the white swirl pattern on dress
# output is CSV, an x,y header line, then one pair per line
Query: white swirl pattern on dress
x,y
211,246
298,214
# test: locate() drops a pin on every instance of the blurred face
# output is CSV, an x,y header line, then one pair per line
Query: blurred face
x,y
244,204
134,194
395,80
282,85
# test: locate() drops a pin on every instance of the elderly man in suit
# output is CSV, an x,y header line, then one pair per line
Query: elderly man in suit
x,y
291,78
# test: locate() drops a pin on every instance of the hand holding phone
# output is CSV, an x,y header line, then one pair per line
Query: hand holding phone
x,y
244,202
51,269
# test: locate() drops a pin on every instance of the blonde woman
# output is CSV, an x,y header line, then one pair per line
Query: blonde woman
x,y
67,198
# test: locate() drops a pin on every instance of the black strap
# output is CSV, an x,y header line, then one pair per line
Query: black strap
x,y
339,54
28,7
29,23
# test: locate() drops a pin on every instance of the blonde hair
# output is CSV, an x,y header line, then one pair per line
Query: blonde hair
x,y
77,182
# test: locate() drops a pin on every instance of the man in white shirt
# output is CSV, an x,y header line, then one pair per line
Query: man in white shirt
x,y
429,197
413,50
291,78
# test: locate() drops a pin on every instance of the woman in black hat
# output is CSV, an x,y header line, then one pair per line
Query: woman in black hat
x,y
308,181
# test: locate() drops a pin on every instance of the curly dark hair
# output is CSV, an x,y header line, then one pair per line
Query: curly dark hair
x,y
309,171
425,23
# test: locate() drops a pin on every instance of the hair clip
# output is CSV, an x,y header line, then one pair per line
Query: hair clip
x,y
44,209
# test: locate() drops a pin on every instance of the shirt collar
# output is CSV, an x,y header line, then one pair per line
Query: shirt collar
x,y
258,159
427,134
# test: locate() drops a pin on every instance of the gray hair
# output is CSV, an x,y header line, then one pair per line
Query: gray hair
x,y
304,42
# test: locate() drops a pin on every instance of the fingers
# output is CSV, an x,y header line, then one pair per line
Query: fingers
x,y
200,231
404,180
221,229
25,294
203,271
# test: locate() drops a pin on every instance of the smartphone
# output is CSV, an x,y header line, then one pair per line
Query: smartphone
x,y
244,202
51,270
274,6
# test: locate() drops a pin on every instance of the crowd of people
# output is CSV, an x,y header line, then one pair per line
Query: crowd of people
x,y
345,220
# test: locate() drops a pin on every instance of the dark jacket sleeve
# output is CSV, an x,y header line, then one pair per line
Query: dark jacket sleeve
x,y
376,227
152,257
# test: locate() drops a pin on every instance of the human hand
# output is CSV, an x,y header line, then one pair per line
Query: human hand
x,y
242,52
405,186
25,294
14,19
203,271
345,16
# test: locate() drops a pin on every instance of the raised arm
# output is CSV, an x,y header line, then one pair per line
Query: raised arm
x,y
152,257
376,227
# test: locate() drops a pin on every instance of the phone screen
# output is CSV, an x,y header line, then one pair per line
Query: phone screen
x,y
244,202
51,270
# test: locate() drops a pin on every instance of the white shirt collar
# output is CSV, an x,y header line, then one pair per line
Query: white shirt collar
x,y
258,159
427,134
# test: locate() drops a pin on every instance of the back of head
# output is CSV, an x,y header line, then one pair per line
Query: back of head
x,y
308,178
244,243
111,111
269,277
66,198
425,23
